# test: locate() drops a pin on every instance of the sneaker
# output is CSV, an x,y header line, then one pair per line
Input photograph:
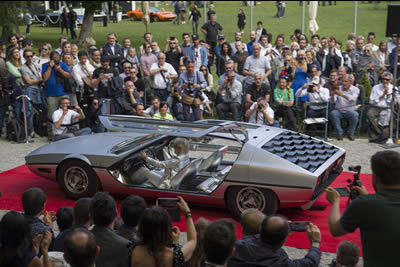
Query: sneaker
x,y
351,137
339,137
32,135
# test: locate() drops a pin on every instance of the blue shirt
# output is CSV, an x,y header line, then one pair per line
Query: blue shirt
x,y
51,86
197,78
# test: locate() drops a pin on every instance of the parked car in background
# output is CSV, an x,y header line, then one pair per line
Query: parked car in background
x,y
154,14
232,164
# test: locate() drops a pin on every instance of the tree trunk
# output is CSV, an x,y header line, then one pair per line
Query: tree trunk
x,y
87,24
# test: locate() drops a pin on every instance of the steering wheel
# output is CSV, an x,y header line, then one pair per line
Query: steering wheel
x,y
150,153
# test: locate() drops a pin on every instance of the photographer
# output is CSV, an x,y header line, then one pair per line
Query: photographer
x,y
163,73
261,113
174,101
64,115
173,53
377,215
129,99
54,90
190,84
316,94
231,90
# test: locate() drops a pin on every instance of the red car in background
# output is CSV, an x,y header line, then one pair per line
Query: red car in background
x,y
154,14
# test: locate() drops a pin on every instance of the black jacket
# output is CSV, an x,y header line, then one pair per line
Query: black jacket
x,y
251,251
116,57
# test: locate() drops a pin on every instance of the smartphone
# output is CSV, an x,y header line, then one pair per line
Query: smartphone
x,y
298,226
168,202
343,191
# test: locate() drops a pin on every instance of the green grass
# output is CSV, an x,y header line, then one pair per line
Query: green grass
x,y
332,20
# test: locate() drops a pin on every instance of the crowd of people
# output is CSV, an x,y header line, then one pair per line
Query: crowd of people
x,y
93,234
259,81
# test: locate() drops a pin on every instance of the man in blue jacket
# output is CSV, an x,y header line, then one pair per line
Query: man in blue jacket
x,y
197,53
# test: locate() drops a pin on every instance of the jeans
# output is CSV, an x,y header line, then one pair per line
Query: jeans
x,y
34,95
3,110
186,112
223,108
162,94
28,29
337,116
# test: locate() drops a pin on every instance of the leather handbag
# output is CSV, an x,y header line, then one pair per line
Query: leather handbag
x,y
197,101
187,99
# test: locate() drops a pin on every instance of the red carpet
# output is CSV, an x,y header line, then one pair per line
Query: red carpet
x,y
14,182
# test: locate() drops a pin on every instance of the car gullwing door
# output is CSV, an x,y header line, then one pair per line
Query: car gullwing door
x,y
172,128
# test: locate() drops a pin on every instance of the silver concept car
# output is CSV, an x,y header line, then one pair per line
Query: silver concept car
x,y
233,164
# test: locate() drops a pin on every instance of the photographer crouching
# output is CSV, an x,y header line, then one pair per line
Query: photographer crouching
x,y
261,113
190,84
377,215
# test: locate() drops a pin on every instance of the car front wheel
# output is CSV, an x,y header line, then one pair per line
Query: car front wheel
x,y
156,18
77,179
242,198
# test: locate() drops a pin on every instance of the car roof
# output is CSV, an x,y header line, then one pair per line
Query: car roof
x,y
172,128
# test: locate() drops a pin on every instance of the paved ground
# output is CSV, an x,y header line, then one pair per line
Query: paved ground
x,y
358,152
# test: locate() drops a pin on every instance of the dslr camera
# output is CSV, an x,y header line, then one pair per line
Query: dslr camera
x,y
260,106
310,88
56,62
190,84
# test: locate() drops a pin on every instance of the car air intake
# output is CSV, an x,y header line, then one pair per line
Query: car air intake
x,y
302,150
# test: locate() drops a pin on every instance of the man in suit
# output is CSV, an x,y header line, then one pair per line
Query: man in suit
x,y
114,51
126,45
113,248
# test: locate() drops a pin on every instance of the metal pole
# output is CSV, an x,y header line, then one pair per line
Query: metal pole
x,y
205,11
251,15
355,17
302,16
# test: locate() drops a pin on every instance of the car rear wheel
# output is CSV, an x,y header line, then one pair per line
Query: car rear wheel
x,y
242,198
156,19
77,179
133,17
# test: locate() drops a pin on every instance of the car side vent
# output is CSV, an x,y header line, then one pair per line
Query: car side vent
x,y
301,150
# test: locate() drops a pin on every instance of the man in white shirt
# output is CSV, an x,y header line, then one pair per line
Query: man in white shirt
x,y
163,74
83,71
65,116
378,113
265,46
238,37
261,113
316,94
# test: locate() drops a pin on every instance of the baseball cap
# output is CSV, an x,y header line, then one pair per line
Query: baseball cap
x,y
286,47
315,80
195,37
221,36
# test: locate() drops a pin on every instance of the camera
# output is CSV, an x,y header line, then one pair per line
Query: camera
x,y
298,226
190,84
171,206
356,182
56,62
260,106
310,88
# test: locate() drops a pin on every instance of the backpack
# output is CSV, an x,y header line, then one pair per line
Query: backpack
x,y
15,130
40,124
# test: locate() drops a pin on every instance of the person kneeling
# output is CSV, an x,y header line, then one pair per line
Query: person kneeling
x,y
171,165
64,116
261,113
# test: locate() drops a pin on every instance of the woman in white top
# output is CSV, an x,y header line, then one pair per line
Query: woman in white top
x,y
210,87
44,55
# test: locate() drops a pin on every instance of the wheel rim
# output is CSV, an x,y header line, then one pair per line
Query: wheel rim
x,y
76,180
250,197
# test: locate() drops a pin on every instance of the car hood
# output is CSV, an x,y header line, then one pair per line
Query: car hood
x,y
97,145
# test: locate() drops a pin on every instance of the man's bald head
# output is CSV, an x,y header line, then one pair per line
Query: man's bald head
x,y
251,220
274,230
80,248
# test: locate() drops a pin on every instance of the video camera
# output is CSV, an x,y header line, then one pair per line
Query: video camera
x,y
356,182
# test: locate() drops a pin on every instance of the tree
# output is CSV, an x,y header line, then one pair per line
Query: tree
x,y
87,24
10,17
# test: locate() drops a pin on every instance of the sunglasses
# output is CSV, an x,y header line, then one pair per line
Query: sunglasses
x,y
203,69
384,79
29,56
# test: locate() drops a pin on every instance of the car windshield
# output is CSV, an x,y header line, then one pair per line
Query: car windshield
x,y
132,142
154,10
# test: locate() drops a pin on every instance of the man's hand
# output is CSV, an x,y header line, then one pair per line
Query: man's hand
x,y
131,90
51,63
108,78
361,190
339,92
49,217
78,109
58,68
163,69
195,85
332,195
36,243
46,241
143,155
65,111
313,234
102,76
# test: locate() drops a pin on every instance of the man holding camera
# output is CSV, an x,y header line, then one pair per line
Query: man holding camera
x,y
261,113
377,215
54,71
190,84
231,90
265,249
316,94
163,74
